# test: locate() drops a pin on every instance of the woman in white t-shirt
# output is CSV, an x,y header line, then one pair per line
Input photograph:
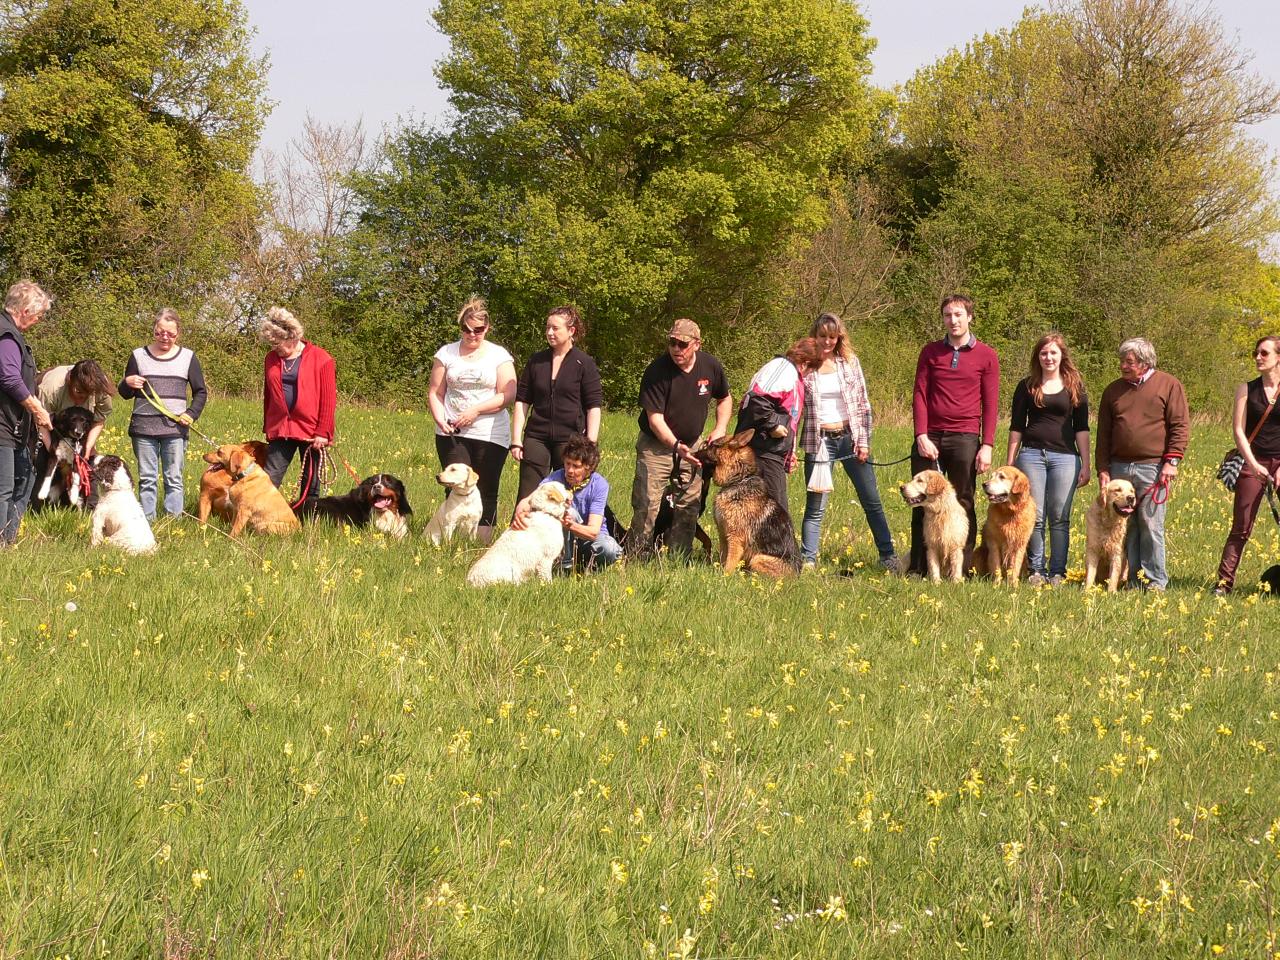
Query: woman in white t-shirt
x,y
837,416
472,384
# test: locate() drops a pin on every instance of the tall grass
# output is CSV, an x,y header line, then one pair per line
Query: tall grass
x,y
328,746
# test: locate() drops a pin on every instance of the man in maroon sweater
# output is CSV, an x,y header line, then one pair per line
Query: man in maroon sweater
x,y
1143,427
955,405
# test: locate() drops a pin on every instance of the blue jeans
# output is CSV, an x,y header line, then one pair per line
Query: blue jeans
x,y
17,480
1053,479
603,550
863,476
151,452
1145,541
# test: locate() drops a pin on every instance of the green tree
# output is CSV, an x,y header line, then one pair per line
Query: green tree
x,y
647,157
126,130
1089,169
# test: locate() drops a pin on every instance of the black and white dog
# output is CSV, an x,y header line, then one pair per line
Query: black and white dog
x,y
379,501
117,517
63,474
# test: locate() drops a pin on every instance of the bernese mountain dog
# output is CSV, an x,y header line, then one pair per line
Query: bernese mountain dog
x,y
379,501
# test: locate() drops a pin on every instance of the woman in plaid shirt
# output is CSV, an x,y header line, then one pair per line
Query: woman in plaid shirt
x,y
837,413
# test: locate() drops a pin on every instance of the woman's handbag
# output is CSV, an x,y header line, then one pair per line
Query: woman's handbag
x,y
1233,460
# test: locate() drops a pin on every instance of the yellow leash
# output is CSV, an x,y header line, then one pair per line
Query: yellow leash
x,y
149,394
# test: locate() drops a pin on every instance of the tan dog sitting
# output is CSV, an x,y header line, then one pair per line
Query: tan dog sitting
x,y
1106,524
946,525
256,502
1011,518
461,510
215,483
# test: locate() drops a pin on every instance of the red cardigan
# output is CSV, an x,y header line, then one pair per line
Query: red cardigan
x,y
312,413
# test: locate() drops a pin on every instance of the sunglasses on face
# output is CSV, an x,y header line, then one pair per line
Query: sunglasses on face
x,y
473,331
1263,353
678,343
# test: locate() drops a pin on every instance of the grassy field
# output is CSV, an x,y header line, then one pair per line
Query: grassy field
x,y
328,746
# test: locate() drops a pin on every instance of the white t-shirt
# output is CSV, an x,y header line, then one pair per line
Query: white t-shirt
x,y
831,405
470,380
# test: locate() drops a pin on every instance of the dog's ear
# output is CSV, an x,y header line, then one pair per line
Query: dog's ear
x,y
935,483
237,460
1021,485
742,438
472,477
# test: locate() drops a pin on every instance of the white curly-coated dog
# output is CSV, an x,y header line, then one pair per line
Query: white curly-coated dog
x,y
519,554
118,518
460,512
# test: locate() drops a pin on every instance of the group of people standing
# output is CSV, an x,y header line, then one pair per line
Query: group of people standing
x,y
812,401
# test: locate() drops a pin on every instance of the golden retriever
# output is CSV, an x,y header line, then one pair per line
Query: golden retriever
x,y
255,501
215,483
946,526
1106,523
1011,517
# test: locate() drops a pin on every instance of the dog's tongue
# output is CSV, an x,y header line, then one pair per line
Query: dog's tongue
x,y
382,503
1126,510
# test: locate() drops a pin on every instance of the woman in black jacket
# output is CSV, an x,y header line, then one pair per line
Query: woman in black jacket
x,y
558,395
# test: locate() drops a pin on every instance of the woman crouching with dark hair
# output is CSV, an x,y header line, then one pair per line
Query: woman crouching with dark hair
x,y
82,384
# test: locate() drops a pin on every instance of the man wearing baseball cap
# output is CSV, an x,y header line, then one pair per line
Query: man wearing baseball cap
x,y
675,394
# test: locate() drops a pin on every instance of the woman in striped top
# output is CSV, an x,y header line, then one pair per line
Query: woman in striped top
x,y
171,371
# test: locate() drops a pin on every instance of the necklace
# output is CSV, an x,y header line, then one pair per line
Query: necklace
x,y
291,364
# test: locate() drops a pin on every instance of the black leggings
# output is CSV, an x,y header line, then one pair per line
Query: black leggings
x,y
486,459
540,458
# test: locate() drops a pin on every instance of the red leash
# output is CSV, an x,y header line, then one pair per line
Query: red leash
x,y
84,473
1158,492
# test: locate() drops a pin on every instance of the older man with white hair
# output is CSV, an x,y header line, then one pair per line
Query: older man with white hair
x,y
1143,428
21,412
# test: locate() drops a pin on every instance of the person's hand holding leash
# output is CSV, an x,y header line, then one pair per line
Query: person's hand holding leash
x,y
863,454
1168,471
136,381
319,443
685,452
464,419
928,449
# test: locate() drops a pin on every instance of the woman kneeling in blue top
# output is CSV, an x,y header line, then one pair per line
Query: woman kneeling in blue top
x,y
584,520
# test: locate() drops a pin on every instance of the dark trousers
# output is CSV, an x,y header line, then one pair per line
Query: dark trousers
x,y
774,474
17,480
540,457
280,454
956,455
486,459
1250,489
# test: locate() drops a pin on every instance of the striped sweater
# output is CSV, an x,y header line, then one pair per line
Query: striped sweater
x,y
170,379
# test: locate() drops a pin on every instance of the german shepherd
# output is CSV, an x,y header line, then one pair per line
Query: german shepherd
x,y
753,529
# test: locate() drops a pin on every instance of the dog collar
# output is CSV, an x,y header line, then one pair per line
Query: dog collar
x,y
246,471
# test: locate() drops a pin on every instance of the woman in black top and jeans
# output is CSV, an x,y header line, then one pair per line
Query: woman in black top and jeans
x,y
558,395
1049,437
1261,454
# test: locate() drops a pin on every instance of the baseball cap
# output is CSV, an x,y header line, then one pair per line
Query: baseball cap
x,y
685,330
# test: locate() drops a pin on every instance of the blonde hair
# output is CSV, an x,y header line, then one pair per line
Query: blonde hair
x,y
474,309
27,296
828,325
279,325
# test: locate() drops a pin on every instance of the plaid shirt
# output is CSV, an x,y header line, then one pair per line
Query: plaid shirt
x,y
853,390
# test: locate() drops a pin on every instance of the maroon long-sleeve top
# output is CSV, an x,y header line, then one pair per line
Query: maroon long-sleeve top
x,y
957,390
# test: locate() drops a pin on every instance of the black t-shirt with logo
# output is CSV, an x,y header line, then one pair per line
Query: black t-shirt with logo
x,y
682,398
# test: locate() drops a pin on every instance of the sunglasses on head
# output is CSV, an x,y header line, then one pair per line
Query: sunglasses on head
x,y
474,331
677,342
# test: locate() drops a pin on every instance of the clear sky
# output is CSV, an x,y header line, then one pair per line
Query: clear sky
x,y
343,61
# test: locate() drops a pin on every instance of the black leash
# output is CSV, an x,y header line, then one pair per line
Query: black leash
x,y
1271,501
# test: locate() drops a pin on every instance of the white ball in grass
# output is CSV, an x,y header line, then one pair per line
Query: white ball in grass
x,y
71,607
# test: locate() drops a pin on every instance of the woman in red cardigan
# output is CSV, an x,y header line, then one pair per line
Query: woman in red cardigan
x,y
299,395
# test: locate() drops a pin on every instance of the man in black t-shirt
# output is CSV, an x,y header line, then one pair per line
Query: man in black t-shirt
x,y
675,394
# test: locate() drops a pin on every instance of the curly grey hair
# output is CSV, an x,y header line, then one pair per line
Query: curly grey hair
x,y
279,325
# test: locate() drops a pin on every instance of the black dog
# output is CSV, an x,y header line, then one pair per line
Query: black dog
x,y
61,480
666,513
1271,580
380,500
